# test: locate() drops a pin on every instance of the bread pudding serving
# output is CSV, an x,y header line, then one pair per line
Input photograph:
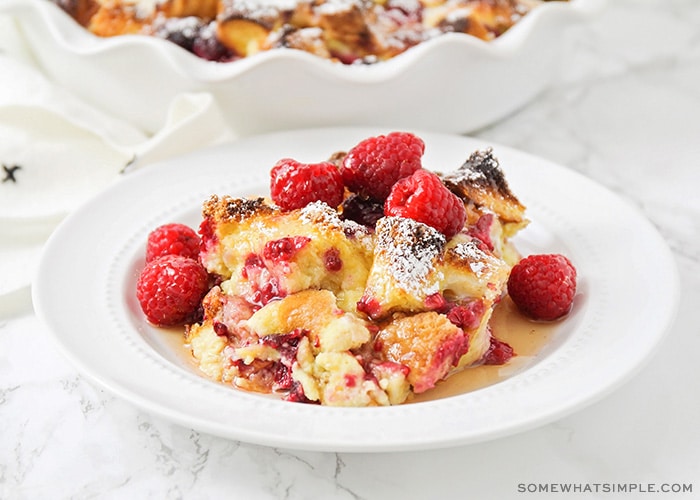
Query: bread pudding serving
x,y
348,31
361,280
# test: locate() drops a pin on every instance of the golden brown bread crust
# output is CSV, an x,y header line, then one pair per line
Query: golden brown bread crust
x,y
427,343
80,10
225,209
269,18
113,19
349,31
205,9
485,19
480,182
307,39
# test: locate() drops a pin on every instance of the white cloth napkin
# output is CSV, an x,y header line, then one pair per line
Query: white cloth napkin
x,y
56,151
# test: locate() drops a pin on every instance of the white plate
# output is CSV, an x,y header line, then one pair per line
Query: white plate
x,y
84,291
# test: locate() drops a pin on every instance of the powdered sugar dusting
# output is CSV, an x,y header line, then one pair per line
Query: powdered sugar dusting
x,y
208,31
468,250
410,250
257,9
144,8
478,170
484,158
476,258
333,7
321,213
189,27
459,14
407,5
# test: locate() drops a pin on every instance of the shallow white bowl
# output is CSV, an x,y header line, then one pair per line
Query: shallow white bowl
x,y
454,83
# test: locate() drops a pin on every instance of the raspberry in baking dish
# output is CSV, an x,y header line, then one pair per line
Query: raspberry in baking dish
x,y
320,308
347,31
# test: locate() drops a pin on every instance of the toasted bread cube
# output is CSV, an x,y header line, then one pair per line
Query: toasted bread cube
x,y
112,20
427,343
205,9
242,36
405,269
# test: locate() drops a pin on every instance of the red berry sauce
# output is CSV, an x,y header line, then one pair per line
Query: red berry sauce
x,y
482,230
369,306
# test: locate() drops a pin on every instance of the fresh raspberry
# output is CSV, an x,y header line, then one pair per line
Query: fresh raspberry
x,y
543,286
423,197
295,185
374,165
172,239
170,289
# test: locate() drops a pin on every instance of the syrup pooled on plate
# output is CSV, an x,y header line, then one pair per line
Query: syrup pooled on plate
x,y
526,337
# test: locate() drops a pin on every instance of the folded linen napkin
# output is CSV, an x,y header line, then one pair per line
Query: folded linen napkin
x,y
56,151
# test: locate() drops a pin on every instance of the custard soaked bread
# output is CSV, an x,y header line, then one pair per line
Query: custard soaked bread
x,y
348,31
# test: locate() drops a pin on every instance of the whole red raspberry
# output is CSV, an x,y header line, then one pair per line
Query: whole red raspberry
x,y
294,184
423,197
374,165
172,239
170,289
543,286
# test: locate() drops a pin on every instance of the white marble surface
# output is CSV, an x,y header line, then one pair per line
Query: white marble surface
x,y
626,112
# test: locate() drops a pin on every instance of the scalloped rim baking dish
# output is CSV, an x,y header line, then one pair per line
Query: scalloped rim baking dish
x,y
452,83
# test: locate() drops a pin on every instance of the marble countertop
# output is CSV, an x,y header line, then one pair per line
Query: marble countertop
x,y
625,111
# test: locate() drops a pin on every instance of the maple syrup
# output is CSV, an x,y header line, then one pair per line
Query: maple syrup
x,y
526,337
